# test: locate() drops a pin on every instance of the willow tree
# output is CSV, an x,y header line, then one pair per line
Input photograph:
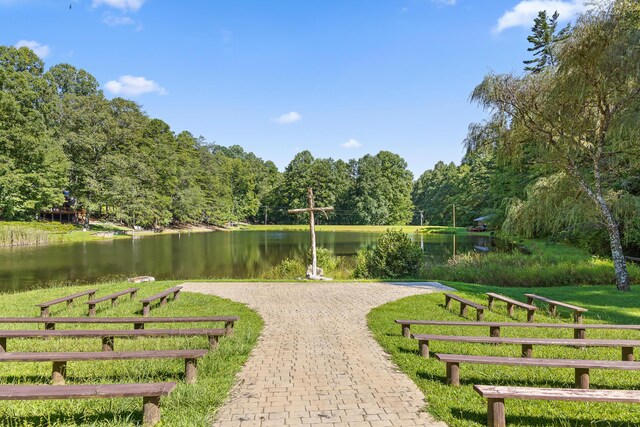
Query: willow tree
x,y
581,116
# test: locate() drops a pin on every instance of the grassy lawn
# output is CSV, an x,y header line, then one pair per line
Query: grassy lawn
x,y
188,405
461,406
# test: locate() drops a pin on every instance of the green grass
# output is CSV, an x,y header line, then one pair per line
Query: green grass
x,y
15,233
461,406
188,405
549,265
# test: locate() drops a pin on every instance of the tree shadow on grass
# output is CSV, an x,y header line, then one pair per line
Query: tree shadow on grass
x,y
529,420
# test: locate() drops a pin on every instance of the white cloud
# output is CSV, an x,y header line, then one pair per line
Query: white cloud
x,y
351,144
445,2
131,5
117,21
288,118
42,50
523,14
133,86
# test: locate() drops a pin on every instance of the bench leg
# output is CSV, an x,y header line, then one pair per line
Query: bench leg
x,y
92,310
190,370
496,416
423,346
114,302
150,410
510,309
463,309
406,331
92,295
627,354
527,350
145,308
213,342
579,333
176,295
133,294
479,314
490,303
69,303
553,310
577,317
58,373
494,331
163,301
49,326
582,378
447,302
107,343
453,373
529,300
530,314
138,326
3,344
44,311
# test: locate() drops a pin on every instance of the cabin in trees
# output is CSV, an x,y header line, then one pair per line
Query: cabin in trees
x,y
66,213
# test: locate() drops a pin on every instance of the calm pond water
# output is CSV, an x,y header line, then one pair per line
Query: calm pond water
x,y
239,254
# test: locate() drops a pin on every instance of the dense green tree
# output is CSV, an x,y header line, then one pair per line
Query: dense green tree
x,y
544,40
581,117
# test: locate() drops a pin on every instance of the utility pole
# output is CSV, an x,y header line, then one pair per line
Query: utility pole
x,y
312,228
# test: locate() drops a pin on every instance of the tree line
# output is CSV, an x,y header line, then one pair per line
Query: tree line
x,y
59,133
558,156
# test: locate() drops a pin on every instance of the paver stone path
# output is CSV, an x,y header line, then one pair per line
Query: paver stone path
x,y
316,362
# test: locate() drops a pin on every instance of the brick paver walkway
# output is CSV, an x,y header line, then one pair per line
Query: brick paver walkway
x,y
316,362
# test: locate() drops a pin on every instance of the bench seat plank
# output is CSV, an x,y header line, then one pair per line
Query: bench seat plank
x,y
511,303
535,393
41,392
578,312
551,363
495,395
581,366
161,294
66,298
494,327
114,295
464,303
109,335
117,320
528,343
99,355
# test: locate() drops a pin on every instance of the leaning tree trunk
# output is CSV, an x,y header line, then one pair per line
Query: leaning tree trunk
x,y
619,263
617,254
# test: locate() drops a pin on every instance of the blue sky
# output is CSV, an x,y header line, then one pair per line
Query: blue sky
x,y
340,78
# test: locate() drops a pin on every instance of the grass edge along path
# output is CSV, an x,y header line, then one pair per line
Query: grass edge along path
x,y
188,405
461,406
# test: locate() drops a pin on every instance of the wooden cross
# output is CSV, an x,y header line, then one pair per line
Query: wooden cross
x,y
312,223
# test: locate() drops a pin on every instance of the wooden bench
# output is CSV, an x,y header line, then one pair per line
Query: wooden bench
x,y
108,336
511,303
60,359
150,393
44,306
138,322
464,303
528,343
113,297
496,416
579,330
578,312
162,296
580,366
